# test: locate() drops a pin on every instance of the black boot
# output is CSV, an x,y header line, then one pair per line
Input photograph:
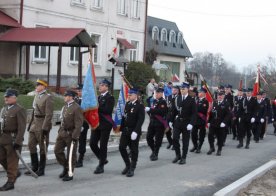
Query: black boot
x,y
211,151
7,186
193,149
124,172
177,158
154,157
99,169
42,163
130,172
198,150
247,143
34,162
182,160
169,145
80,161
219,152
240,143
63,173
67,178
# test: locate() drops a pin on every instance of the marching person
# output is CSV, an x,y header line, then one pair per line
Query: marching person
x,y
158,123
184,111
238,115
170,102
102,132
83,134
69,131
202,110
248,119
219,118
261,111
274,114
40,127
266,100
229,98
13,123
132,121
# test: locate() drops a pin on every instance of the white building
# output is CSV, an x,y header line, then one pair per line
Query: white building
x,y
114,25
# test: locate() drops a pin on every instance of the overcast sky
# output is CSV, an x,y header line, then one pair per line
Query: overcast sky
x,y
243,31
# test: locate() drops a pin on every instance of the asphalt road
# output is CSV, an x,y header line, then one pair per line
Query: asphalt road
x,y
203,175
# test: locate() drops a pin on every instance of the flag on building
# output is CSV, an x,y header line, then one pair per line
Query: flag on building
x,y
119,112
89,102
257,84
175,78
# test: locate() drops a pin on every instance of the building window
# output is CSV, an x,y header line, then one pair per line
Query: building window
x,y
134,52
172,36
155,33
74,55
180,38
174,68
135,9
164,35
98,4
121,7
40,52
96,51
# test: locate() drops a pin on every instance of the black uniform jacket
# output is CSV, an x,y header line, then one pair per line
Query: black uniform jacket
x,y
134,116
219,113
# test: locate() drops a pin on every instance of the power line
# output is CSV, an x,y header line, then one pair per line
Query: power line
x,y
213,14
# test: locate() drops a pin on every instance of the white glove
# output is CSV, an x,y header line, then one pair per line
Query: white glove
x,y
252,120
262,120
222,125
147,109
133,135
208,124
239,119
171,125
272,119
189,127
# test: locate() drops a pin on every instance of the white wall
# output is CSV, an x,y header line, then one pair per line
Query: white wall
x,y
64,13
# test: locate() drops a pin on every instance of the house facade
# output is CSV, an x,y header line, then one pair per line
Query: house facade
x,y
166,40
116,26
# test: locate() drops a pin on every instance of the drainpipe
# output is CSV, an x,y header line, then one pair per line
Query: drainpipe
x,y
21,11
145,31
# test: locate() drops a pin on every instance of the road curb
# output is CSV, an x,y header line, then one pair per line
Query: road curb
x,y
243,182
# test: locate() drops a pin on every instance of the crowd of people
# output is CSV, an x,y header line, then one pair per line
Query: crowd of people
x,y
174,110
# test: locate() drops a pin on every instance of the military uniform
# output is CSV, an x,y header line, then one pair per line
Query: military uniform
x,y
71,123
268,116
260,116
247,120
229,98
170,102
83,138
132,121
39,131
219,118
13,124
202,110
156,128
237,114
185,112
101,133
